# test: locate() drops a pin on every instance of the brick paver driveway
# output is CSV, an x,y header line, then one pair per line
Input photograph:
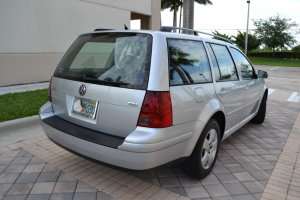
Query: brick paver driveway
x,y
39,169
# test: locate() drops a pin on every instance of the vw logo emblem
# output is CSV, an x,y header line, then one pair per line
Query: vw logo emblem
x,y
82,90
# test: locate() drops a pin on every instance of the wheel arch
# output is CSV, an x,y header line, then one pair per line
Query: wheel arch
x,y
220,117
266,93
265,90
214,109
192,166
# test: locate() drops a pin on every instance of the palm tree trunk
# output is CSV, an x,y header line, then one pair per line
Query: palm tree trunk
x,y
191,14
185,13
175,16
180,16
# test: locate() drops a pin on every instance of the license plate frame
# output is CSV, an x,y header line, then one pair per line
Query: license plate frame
x,y
86,108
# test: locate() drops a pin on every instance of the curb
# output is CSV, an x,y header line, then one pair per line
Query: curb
x,y
284,180
12,125
23,87
19,129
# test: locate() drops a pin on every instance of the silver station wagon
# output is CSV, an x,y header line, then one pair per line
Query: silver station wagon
x,y
142,99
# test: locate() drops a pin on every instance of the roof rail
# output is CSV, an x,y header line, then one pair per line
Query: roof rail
x,y
170,28
102,29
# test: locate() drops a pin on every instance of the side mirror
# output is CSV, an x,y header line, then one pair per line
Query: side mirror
x,y
262,74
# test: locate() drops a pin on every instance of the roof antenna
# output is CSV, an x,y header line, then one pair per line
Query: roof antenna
x,y
126,28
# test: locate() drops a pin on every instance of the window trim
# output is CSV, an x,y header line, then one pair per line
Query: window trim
x,y
183,84
238,76
209,48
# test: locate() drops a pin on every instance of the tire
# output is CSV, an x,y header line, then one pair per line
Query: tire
x,y
204,156
260,116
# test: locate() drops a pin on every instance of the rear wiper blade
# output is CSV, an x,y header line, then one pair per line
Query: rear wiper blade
x,y
89,78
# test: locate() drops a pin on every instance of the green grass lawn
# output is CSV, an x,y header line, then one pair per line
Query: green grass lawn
x,y
274,62
21,104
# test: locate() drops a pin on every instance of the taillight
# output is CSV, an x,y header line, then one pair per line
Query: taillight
x,y
156,111
49,91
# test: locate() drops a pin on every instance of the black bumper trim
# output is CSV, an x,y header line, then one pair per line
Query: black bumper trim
x,y
84,133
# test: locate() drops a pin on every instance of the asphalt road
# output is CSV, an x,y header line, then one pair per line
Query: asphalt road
x,y
284,78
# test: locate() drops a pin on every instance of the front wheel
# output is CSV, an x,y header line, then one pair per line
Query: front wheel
x,y
204,156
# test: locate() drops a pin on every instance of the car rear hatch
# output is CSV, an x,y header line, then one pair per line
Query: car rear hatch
x,y
101,81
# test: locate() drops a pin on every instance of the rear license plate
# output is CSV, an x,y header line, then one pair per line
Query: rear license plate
x,y
85,107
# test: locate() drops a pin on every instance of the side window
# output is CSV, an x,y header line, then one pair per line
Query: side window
x,y
243,63
225,63
188,62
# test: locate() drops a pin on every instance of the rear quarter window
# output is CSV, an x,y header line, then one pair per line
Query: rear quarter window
x,y
188,63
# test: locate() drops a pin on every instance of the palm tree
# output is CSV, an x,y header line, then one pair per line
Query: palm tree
x,y
229,37
191,14
185,6
253,41
173,5
180,13
188,10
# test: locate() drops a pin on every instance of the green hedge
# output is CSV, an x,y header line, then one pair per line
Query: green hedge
x,y
282,54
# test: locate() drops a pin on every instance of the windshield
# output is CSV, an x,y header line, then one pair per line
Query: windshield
x,y
115,59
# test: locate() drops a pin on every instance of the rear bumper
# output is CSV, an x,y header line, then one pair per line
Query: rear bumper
x,y
83,133
117,157
137,153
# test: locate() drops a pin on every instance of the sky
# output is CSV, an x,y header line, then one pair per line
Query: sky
x,y
230,15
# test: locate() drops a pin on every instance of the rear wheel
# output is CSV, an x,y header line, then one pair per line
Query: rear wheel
x,y
204,156
260,116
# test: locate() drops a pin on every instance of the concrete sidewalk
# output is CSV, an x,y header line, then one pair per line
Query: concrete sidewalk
x,y
20,129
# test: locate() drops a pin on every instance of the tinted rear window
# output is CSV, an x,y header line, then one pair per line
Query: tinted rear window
x,y
115,59
188,62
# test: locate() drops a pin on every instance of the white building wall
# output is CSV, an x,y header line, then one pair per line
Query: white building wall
x,y
35,33
51,25
137,6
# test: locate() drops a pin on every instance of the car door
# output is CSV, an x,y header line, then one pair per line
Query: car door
x,y
228,87
252,86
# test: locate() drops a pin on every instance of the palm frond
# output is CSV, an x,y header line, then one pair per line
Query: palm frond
x,y
204,2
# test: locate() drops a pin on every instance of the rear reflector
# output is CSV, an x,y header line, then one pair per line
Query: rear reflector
x,y
156,111
49,91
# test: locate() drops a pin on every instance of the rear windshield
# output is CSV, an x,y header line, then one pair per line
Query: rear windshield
x,y
114,59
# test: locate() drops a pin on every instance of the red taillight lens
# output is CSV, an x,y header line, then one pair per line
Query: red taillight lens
x,y
156,111
49,91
